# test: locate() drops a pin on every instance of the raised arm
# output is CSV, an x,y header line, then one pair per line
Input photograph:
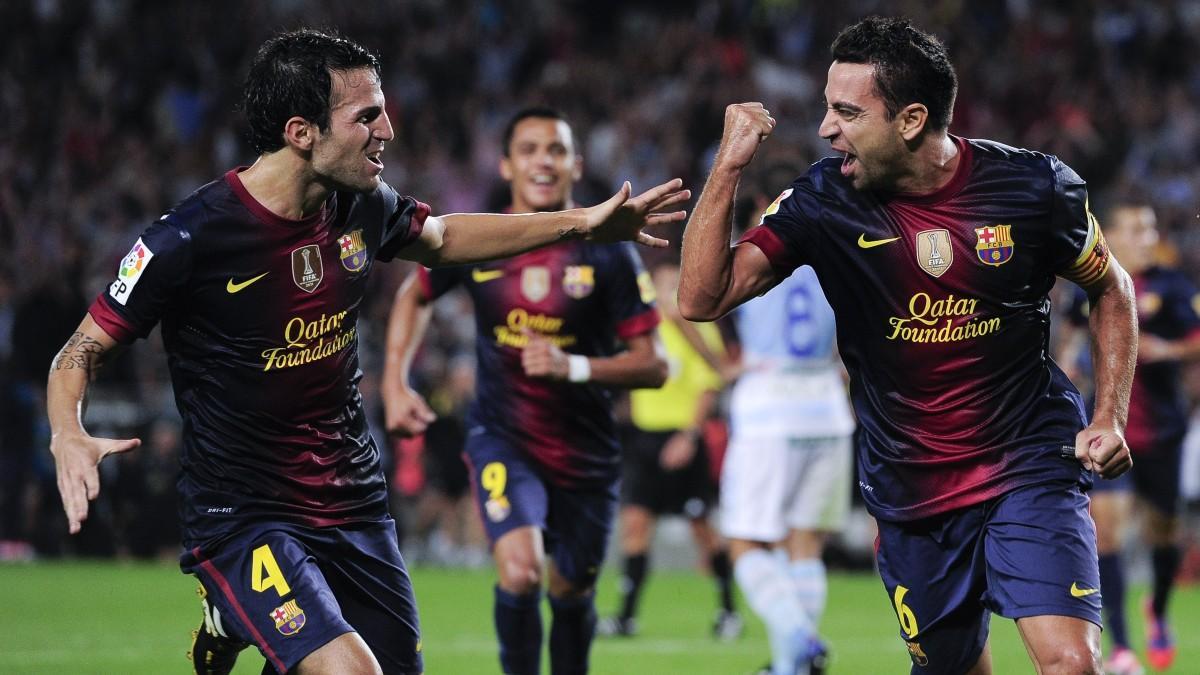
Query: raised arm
x,y
715,278
1112,324
473,237
406,412
77,454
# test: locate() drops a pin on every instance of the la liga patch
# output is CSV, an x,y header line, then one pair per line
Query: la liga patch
x,y
132,266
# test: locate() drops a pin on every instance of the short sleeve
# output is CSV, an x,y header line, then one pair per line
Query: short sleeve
x,y
437,281
1077,247
403,220
630,293
785,233
149,280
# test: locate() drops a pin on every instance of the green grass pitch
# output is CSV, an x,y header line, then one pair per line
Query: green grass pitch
x,y
109,618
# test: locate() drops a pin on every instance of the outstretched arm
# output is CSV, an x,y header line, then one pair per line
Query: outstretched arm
x,y
77,454
406,412
715,278
1114,336
473,237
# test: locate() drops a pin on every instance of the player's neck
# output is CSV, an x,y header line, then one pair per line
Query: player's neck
x,y
284,186
933,165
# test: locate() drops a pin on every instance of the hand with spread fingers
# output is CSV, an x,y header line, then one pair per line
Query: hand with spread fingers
x,y
77,459
622,218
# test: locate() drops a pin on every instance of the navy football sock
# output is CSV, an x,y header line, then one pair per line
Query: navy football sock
x,y
519,627
571,633
1166,566
723,572
1112,588
631,583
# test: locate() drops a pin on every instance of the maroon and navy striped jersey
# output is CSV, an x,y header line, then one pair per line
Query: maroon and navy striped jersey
x,y
585,298
259,319
943,320
1168,307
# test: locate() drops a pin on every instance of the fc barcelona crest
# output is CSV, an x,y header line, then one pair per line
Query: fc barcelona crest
x,y
934,252
289,618
307,270
535,283
579,280
994,244
352,250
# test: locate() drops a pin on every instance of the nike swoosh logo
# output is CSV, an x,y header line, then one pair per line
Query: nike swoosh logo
x,y
863,243
1077,592
483,276
232,287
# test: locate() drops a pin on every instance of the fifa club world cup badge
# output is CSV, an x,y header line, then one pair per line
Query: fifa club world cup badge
x,y
994,244
579,280
535,283
353,251
289,618
307,270
935,255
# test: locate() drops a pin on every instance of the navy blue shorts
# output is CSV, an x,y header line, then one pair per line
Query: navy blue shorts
x,y
511,493
290,589
1154,478
1028,552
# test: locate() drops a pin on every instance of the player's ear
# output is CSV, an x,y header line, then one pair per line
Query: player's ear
x,y
506,169
577,170
299,133
911,120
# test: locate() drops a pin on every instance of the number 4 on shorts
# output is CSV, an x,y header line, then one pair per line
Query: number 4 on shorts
x,y
265,573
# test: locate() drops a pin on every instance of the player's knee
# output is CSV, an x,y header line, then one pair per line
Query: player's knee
x,y
1071,658
520,576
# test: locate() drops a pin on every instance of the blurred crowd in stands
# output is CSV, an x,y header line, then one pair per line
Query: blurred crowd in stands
x,y
112,110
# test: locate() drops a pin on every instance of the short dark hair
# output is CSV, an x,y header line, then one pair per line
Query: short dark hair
x,y
541,112
911,66
292,75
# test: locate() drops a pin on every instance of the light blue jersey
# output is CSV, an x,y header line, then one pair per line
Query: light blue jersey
x,y
791,326
792,386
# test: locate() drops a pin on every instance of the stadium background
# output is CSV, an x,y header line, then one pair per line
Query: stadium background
x,y
112,110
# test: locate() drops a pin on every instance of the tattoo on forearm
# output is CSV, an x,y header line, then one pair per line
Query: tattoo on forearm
x,y
79,352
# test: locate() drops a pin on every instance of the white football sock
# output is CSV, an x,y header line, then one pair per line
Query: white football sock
x,y
770,591
809,576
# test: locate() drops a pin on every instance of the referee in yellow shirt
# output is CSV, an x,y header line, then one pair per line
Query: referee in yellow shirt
x,y
666,463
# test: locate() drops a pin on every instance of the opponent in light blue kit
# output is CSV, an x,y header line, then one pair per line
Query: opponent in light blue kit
x,y
787,474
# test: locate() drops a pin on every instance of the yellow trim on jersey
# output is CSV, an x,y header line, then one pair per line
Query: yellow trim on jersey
x,y
1092,262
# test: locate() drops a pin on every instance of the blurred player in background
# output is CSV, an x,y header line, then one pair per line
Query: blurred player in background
x,y
257,279
541,441
787,475
1168,337
667,468
937,254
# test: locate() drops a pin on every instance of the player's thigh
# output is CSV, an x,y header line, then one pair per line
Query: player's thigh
x,y
508,491
756,481
1061,644
1110,511
933,571
263,587
578,530
1040,544
345,654
363,567
821,499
